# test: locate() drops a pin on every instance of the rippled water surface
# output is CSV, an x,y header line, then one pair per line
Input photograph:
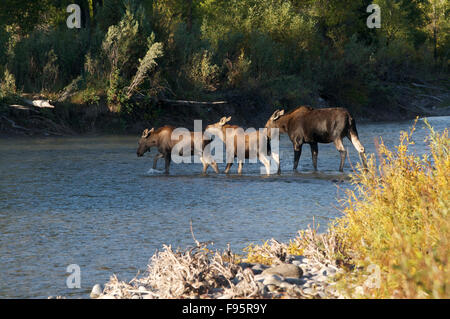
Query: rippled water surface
x,y
90,201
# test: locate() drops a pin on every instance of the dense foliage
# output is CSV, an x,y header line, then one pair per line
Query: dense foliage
x,y
289,51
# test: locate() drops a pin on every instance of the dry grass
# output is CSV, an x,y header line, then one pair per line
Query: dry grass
x,y
194,272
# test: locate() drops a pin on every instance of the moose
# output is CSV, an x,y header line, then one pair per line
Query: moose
x,y
233,134
162,139
306,125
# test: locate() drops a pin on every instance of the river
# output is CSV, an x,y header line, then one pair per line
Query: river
x,y
90,201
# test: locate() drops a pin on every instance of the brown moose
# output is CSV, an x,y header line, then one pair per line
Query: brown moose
x,y
233,135
162,139
313,126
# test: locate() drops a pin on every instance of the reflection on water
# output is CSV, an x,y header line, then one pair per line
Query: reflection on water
x,y
90,201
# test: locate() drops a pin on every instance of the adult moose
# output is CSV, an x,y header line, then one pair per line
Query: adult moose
x,y
162,138
240,144
313,126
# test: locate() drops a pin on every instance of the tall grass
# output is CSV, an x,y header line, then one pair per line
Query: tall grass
x,y
397,219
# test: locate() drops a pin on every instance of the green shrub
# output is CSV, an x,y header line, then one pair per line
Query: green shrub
x,y
202,71
398,220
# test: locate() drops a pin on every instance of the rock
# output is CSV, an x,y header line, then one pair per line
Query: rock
x,y
308,291
106,297
284,270
273,280
260,277
135,297
332,270
147,296
96,291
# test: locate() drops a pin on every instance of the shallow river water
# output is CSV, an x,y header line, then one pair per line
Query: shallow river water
x,y
90,201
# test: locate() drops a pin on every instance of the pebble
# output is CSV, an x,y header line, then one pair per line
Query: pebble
x,y
96,291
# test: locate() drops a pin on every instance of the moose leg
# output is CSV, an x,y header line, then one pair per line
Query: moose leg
x,y
240,164
297,154
214,166
167,158
205,165
340,147
156,158
314,153
227,169
266,163
359,147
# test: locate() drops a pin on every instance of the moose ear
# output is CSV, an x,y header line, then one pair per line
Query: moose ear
x,y
147,132
274,114
224,120
277,115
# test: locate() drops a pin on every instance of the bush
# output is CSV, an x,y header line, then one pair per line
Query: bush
x,y
48,59
7,85
398,220
202,72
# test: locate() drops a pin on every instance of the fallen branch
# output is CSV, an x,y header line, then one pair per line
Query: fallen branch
x,y
183,102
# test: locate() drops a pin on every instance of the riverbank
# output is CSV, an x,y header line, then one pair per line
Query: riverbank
x,y
392,241
31,115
